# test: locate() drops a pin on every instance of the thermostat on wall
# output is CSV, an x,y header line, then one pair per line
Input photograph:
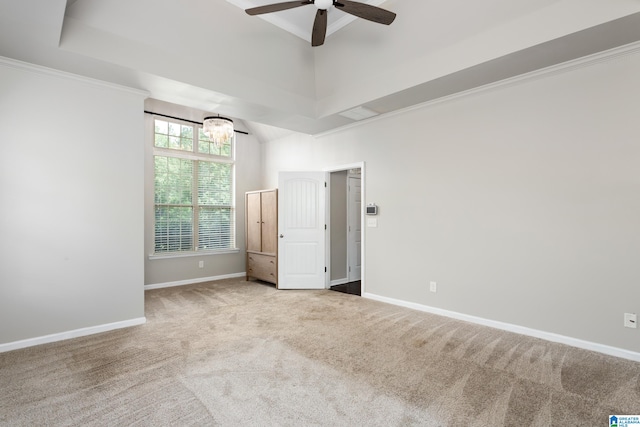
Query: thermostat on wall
x,y
372,209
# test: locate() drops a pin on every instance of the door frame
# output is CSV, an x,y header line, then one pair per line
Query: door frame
x,y
356,165
350,212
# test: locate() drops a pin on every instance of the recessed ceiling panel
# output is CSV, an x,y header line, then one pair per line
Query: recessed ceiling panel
x,y
299,21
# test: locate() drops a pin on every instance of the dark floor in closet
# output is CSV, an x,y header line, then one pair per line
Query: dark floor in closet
x,y
352,288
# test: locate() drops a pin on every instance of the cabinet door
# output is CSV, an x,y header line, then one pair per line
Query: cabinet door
x,y
269,222
253,222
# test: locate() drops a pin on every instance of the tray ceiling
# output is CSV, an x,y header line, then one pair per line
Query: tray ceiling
x,y
211,56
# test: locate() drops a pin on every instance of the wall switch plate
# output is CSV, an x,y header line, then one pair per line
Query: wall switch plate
x,y
200,264
630,320
372,222
433,286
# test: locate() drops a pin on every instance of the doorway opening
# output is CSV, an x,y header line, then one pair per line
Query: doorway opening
x,y
345,239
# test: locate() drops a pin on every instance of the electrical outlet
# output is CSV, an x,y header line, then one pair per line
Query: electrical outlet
x,y
433,286
200,264
630,320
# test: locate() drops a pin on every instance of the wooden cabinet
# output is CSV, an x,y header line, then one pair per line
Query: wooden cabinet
x,y
262,235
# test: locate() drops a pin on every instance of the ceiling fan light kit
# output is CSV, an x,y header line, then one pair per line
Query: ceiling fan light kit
x,y
323,4
361,10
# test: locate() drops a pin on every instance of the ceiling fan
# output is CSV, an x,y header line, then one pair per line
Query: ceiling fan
x,y
361,10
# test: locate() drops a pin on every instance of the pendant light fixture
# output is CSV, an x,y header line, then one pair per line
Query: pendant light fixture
x,y
218,129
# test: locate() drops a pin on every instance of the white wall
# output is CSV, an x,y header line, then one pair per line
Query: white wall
x,y
521,201
161,272
71,188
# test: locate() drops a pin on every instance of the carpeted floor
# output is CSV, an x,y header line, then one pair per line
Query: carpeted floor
x,y
236,353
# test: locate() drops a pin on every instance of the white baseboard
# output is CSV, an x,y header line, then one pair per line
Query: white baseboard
x,y
71,334
549,336
339,282
194,281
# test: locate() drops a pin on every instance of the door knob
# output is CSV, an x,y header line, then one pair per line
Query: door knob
x,y
281,236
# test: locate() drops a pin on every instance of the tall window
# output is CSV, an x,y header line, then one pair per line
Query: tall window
x,y
194,204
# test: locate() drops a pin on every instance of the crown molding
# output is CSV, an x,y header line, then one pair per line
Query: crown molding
x,y
42,70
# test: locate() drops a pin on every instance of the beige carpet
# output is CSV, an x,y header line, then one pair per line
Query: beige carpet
x,y
235,353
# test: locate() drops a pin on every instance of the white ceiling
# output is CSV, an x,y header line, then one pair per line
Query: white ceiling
x,y
212,56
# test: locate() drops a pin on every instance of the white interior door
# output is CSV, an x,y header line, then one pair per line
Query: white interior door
x,y
354,224
301,230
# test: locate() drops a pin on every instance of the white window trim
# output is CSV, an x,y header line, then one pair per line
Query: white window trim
x,y
188,155
187,254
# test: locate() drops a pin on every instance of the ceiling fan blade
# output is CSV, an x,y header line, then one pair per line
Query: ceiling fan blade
x,y
276,7
365,11
319,28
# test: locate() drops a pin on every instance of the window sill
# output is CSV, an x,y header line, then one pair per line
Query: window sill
x,y
170,255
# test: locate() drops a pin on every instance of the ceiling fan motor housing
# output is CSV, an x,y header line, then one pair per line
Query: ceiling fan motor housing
x,y
323,4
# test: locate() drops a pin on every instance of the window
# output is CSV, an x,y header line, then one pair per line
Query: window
x,y
194,202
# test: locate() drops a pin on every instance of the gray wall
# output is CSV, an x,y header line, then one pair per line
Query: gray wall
x,y
248,178
338,226
71,188
521,201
